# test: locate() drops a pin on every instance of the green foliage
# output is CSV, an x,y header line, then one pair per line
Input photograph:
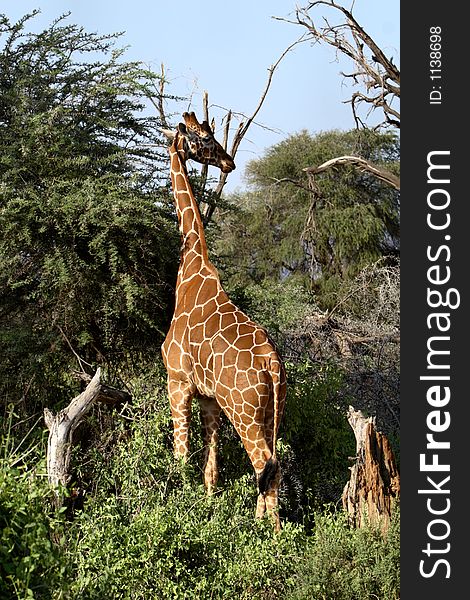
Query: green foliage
x,y
281,229
88,252
64,115
190,546
147,530
94,262
30,563
318,436
349,564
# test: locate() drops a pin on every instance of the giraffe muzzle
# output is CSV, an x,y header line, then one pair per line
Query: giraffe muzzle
x,y
227,165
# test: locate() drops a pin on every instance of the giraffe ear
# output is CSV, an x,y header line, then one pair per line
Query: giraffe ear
x,y
168,133
182,129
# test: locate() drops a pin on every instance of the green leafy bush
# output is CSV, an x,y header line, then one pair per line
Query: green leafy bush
x,y
147,529
151,532
315,430
89,249
30,563
281,228
342,563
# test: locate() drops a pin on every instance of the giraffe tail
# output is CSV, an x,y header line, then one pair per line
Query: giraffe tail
x,y
271,468
268,475
276,376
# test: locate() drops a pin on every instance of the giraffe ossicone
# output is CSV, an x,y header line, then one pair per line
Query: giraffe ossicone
x,y
213,351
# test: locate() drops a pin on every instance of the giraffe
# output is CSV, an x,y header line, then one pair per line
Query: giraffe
x,y
213,351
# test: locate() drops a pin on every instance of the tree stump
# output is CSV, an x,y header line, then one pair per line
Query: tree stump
x,y
61,427
374,485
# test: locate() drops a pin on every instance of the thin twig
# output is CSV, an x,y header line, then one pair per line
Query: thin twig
x,y
80,360
240,135
205,167
244,125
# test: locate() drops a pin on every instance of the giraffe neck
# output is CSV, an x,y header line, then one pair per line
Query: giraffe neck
x,y
194,253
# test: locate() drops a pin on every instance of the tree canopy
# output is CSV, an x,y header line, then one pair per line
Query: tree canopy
x,y
88,244
286,227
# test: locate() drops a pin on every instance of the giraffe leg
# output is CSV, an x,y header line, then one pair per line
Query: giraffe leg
x,y
210,419
271,495
180,394
267,472
268,492
260,506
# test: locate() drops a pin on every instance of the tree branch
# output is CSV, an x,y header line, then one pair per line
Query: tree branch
x,y
244,126
360,163
158,103
379,75
108,395
242,131
205,168
62,426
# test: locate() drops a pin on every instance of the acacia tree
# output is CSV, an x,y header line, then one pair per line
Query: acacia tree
x,y
379,79
324,222
273,231
88,247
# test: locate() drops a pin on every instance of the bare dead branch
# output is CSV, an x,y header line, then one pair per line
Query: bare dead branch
x,y
242,132
373,69
360,163
294,182
239,133
158,101
80,360
107,395
161,109
205,110
62,425
244,117
227,130
244,126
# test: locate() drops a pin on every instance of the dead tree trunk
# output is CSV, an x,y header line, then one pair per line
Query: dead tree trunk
x,y
61,427
374,486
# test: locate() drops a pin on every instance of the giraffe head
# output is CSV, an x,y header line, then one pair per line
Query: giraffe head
x,y
196,141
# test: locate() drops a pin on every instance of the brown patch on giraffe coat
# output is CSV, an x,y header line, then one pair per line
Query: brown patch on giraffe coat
x,y
179,181
208,310
244,359
207,290
226,322
245,341
211,325
224,306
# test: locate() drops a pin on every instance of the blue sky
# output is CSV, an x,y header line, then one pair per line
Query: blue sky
x,y
226,49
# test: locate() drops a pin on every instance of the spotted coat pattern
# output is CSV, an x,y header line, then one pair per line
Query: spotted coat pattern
x,y
213,351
